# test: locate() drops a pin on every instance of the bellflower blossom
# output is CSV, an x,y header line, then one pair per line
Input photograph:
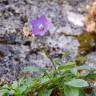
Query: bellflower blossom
x,y
41,25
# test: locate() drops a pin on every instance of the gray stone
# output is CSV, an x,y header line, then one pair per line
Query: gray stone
x,y
91,59
76,19
20,52
62,42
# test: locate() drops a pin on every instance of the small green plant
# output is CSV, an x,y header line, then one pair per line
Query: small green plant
x,y
66,78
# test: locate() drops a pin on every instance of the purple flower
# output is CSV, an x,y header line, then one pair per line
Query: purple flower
x,y
40,26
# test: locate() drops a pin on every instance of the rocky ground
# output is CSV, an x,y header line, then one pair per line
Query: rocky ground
x,y
18,51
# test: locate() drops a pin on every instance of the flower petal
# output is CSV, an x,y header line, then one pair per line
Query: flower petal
x,y
41,25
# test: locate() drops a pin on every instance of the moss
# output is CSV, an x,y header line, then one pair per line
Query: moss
x,y
80,60
87,42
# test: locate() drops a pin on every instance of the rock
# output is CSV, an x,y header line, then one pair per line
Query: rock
x,y
40,59
70,30
16,57
18,52
28,1
32,9
73,24
76,19
74,2
94,91
63,43
91,59
12,62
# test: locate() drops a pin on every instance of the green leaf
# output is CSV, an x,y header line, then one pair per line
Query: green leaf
x,y
74,71
27,85
77,83
90,76
4,92
85,67
57,61
45,92
5,87
71,91
68,66
15,85
12,91
82,93
44,79
32,69
66,54
81,59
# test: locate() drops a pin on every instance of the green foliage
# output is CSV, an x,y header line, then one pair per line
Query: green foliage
x,y
82,93
65,77
85,67
45,92
71,91
32,69
81,59
77,83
